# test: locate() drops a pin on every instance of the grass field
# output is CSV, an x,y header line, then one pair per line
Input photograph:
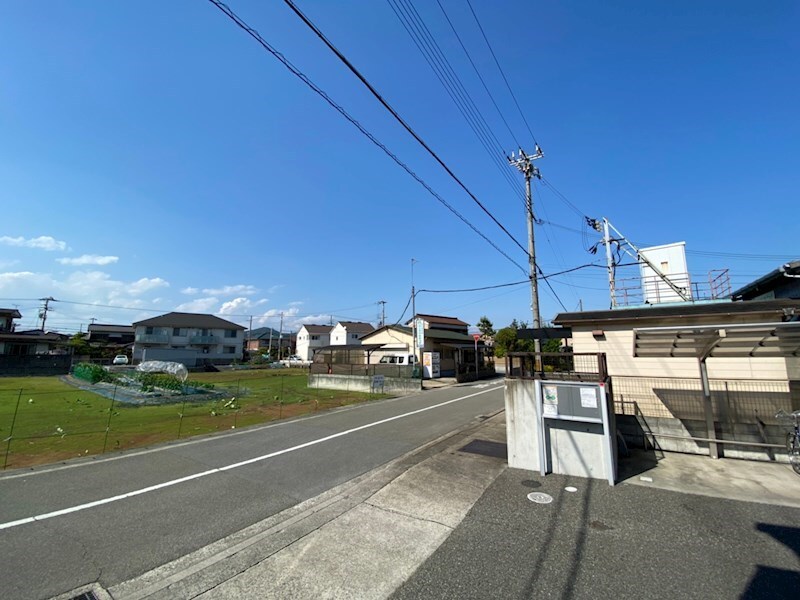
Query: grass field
x,y
45,420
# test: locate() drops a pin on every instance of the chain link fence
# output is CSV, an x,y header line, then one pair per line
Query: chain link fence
x,y
39,426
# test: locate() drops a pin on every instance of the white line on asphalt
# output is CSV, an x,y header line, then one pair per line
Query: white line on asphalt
x,y
152,488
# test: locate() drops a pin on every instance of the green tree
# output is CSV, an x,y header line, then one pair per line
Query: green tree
x,y
505,341
485,326
79,344
552,345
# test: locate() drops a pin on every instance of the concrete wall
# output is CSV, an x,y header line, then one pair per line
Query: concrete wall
x,y
361,383
635,429
522,434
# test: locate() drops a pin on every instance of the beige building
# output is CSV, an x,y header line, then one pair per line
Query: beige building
x,y
747,390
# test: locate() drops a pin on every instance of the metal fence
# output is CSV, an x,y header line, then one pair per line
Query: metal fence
x,y
733,401
566,366
35,365
39,426
387,370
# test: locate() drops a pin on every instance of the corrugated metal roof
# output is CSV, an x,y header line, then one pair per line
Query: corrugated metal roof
x,y
679,310
730,341
180,319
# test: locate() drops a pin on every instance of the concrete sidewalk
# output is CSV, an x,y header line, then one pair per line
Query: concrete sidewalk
x,y
450,520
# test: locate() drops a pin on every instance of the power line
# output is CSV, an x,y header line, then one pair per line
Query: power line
x,y
376,94
547,283
300,75
477,289
477,72
441,67
508,85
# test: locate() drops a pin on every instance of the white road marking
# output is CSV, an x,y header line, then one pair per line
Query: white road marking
x,y
165,484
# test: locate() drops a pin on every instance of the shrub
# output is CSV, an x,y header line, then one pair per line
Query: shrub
x,y
92,373
164,381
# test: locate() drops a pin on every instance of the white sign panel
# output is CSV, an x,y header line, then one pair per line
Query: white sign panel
x,y
420,327
588,397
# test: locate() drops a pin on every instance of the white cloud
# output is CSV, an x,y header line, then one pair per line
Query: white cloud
x,y
230,290
235,306
145,284
88,259
43,242
189,291
5,264
199,305
275,288
9,280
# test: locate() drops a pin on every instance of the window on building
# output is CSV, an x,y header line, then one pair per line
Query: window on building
x,y
354,336
178,332
228,349
314,337
148,331
230,333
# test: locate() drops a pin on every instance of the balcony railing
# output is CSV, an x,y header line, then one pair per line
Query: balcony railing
x,y
203,340
152,338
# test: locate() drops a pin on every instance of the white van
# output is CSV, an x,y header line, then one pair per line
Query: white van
x,y
398,359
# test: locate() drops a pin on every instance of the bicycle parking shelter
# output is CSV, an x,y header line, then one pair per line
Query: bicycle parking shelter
x,y
758,340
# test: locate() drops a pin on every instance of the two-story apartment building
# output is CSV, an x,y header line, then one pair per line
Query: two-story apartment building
x,y
188,338
310,337
349,332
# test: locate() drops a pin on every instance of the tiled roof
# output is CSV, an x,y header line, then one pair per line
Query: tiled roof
x,y
318,328
440,320
179,319
356,326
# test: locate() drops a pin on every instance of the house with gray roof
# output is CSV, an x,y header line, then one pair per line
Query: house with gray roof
x,y
349,332
310,337
189,338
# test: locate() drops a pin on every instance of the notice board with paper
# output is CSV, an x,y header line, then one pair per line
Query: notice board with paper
x,y
577,401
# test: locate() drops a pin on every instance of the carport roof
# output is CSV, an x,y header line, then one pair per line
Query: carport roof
x,y
777,340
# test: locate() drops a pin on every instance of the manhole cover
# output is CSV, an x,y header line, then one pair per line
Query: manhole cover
x,y
540,498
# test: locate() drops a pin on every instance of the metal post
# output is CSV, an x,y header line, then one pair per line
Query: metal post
x,y
713,447
476,359
108,423
180,421
610,263
11,433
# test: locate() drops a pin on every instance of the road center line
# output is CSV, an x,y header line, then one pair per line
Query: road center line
x,y
166,484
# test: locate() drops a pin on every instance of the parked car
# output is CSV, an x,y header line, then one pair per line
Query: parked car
x,y
120,359
295,361
398,359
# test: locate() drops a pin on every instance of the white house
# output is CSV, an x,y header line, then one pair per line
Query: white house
x,y
349,332
188,338
310,337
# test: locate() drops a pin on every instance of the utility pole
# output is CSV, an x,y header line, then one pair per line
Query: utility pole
x,y
249,333
383,312
280,337
605,227
43,312
524,163
414,325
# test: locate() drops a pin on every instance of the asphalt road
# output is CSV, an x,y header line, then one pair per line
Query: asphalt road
x,y
126,514
599,541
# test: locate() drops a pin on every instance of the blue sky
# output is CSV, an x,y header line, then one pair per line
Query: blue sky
x,y
153,157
